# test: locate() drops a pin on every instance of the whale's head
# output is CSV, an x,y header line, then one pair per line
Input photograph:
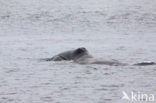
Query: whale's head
x,y
79,52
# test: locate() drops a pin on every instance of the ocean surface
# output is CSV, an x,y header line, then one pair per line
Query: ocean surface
x,y
110,29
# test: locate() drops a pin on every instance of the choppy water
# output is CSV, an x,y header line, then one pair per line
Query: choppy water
x,y
33,29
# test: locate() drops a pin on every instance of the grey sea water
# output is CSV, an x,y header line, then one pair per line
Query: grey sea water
x,y
116,29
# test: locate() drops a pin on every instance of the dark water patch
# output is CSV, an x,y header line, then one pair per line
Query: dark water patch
x,y
47,99
45,84
105,89
4,17
111,73
115,86
12,70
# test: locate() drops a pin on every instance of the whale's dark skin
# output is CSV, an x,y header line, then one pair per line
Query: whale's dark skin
x,y
69,55
81,56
